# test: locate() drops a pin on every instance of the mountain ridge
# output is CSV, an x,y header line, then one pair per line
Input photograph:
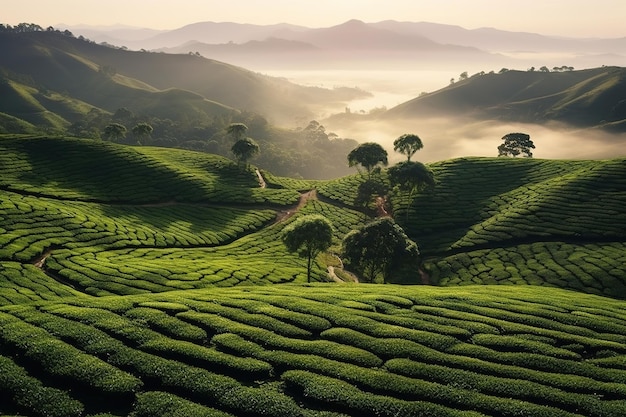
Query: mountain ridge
x,y
108,77
515,45
585,98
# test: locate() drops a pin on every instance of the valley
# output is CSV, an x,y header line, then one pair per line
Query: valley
x,y
144,267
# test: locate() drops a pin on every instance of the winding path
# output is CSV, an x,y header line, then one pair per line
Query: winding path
x,y
304,198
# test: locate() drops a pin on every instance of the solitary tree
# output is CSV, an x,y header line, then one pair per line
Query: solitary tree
x,y
245,149
308,236
115,132
142,132
411,177
368,155
237,131
408,144
516,144
379,248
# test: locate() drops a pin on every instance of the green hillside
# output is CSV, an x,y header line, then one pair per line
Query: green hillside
x,y
110,78
54,83
584,98
517,221
142,281
317,351
48,83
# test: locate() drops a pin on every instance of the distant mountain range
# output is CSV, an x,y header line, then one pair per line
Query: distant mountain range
x,y
51,79
380,44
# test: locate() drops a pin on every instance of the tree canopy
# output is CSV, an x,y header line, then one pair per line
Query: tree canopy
x,y
115,131
378,249
516,144
411,176
245,149
142,132
237,131
368,155
408,144
308,236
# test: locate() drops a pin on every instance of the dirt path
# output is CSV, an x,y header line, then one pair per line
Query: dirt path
x,y
262,182
304,198
380,208
41,259
333,275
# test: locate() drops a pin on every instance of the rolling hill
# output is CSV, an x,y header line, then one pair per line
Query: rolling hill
x,y
146,281
54,63
584,98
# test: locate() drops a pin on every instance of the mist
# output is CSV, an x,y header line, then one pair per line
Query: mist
x,y
443,138
446,138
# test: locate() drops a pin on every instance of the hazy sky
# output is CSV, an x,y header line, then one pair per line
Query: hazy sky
x,y
577,18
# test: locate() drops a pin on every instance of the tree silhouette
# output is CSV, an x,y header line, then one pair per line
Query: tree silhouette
x,y
408,144
516,144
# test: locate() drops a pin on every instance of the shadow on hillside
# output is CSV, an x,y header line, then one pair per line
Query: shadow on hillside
x,y
466,187
97,171
132,184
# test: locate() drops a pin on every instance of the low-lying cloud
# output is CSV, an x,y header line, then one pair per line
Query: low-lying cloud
x,y
446,138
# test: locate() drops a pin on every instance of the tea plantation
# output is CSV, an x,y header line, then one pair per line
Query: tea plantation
x,y
138,281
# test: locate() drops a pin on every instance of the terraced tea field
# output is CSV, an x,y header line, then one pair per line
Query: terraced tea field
x,y
142,281
508,221
317,350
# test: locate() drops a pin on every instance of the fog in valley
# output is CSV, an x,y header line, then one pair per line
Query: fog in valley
x,y
446,138
392,63
443,138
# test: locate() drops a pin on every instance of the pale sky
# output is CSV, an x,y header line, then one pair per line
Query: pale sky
x,y
575,18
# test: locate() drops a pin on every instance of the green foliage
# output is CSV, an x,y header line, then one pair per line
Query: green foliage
x,y
408,144
318,350
308,236
65,361
245,149
411,176
368,155
379,248
114,132
592,268
164,404
86,84
237,131
142,131
120,174
136,346
586,98
22,392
